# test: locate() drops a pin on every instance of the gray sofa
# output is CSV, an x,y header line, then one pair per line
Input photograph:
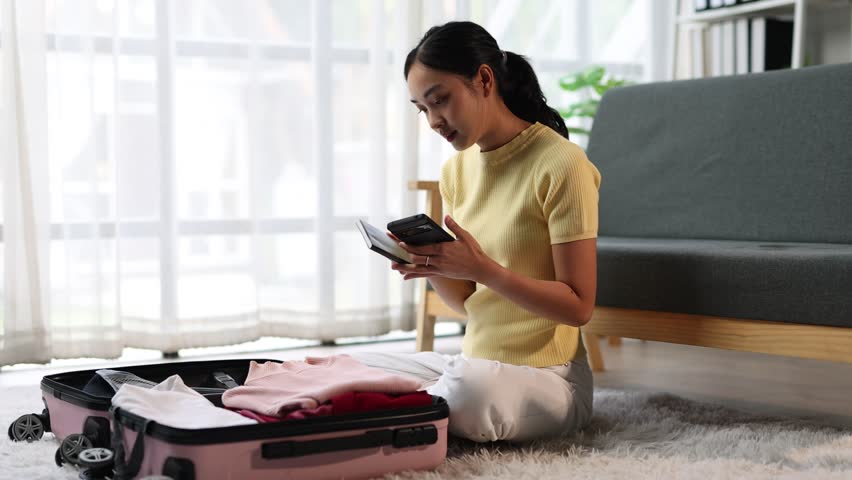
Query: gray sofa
x,y
726,212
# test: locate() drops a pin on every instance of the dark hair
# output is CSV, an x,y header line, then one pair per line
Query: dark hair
x,y
461,47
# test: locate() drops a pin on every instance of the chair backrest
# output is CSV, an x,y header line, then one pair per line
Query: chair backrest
x,y
763,157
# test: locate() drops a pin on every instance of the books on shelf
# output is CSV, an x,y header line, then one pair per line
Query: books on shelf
x,y
701,5
717,49
728,48
742,40
771,44
741,45
745,36
723,51
696,50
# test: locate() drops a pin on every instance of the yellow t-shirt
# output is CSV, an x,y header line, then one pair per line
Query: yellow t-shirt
x,y
517,200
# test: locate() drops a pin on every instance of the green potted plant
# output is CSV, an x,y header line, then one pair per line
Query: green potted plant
x,y
596,82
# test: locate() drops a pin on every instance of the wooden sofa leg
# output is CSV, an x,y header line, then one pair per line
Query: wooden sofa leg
x,y
425,329
614,341
593,346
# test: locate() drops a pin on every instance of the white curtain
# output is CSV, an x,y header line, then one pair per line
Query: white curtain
x,y
188,173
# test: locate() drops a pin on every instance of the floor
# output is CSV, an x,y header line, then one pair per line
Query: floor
x,y
764,384
760,383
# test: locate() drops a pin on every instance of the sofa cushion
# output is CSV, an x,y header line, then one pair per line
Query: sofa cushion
x,y
807,283
762,157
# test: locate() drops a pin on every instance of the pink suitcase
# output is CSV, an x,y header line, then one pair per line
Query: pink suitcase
x,y
105,441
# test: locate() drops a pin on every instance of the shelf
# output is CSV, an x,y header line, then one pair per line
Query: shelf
x,y
765,7
797,10
736,11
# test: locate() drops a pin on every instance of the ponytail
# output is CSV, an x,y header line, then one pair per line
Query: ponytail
x,y
522,94
461,47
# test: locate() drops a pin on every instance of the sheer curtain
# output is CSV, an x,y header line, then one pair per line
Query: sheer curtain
x,y
188,173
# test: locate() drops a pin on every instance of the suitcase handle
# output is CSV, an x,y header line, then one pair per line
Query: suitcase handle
x,y
399,438
127,469
225,379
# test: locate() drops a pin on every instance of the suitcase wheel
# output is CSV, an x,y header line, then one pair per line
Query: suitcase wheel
x,y
96,458
93,474
96,474
27,427
70,448
98,463
45,420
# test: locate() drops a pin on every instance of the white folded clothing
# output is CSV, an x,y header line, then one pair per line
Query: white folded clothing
x,y
174,404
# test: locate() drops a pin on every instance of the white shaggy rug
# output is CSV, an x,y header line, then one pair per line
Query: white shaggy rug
x,y
632,435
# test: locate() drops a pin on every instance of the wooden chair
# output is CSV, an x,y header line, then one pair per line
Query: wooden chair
x,y
431,306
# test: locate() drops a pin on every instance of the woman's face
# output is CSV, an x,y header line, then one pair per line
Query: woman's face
x,y
454,108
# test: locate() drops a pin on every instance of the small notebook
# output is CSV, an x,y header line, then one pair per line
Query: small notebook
x,y
379,242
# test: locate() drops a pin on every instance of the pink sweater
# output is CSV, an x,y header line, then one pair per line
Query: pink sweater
x,y
275,388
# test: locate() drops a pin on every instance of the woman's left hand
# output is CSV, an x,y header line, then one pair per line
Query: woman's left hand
x,y
462,259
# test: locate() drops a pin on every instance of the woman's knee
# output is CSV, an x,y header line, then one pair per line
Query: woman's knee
x,y
478,410
491,401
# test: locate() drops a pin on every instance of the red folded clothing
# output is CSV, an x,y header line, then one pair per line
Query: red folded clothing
x,y
321,411
366,401
351,402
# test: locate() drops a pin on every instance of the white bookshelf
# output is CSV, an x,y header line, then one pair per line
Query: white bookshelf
x,y
687,19
725,13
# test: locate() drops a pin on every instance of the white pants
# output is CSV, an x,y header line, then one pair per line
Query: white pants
x,y
491,401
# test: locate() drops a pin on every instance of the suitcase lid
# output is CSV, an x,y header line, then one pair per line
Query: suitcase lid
x,y
69,386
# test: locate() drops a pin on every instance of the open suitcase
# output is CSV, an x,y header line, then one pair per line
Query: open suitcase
x,y
109,442
77,403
